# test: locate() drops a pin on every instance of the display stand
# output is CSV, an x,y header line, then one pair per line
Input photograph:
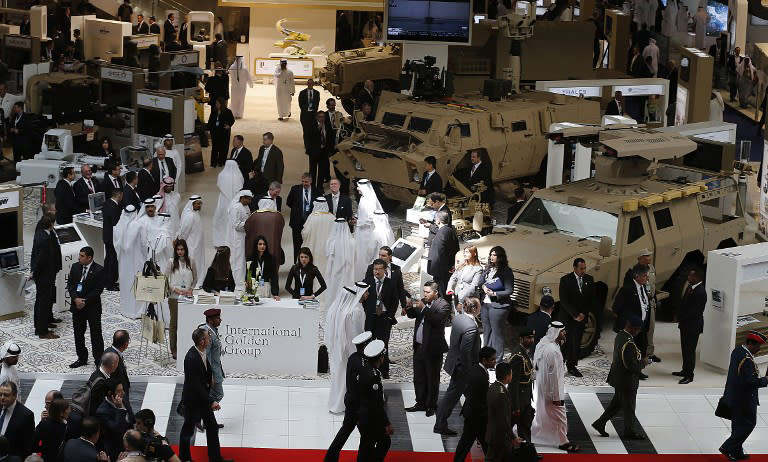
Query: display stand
x,y
71,241
737,302
92,230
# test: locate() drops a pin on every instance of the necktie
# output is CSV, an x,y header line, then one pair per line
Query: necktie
x,y
378,299
336,203
474,167
237,151
579,279
117,185
90,185
85,273
2,418
162,169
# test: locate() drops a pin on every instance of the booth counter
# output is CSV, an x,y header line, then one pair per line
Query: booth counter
x,y
273,337
92,231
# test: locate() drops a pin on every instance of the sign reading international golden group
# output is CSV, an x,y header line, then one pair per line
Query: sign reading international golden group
x,y
272,338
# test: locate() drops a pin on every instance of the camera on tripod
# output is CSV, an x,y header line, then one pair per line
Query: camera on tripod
x,y
425,80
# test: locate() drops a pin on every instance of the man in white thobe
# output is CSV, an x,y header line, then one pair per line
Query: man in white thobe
x,y
191,230
171,201
284,89
366,248
382,230
652,50
550,425
9,355
135,246
316,231
125,238
229,181
172,153
340,250
237,214
149,225
239,80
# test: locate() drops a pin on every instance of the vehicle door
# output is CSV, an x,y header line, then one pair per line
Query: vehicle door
x,y
634,235
667,239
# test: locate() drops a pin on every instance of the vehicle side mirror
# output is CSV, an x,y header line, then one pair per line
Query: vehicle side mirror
x,y
606,246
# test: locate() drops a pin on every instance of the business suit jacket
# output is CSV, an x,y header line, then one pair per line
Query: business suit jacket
x,y
574,301
66,202
244,161
121,374
475,406
45,261
110,215
154,28
362,98
295,201
743,381
82,191
433,226
627,304
504,296
396,274
197,380
317,145
20,431
305,98
148,186
513,209
78,450
98,392
464,349
169,31
613,108
442,251
434,184
389,297
131,197
273,169
21,141
482,174
183,28
113,427
93,285
107,186
220,53
690,313
626,366
499,430
539,322
434,317
344,210
142,28
156,170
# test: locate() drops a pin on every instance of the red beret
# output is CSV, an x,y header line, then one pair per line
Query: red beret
x,y
211,312
757,337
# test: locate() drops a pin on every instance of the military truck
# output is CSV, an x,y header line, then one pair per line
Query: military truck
x,y
346,71
679,213
509,134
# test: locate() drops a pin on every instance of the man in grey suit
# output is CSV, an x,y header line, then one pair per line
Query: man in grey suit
x,y
462,354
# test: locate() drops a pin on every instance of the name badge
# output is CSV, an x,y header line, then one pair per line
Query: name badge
x,y
79,287
301,292
261,283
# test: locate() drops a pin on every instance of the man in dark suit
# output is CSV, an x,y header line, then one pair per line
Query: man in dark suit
x,y
339,204
85,186
147,186
195,395
20,132
154,27
577,300
436,200
517,205
499,436
300,200
270,160
45,264
20,430
462,354
540,320
112,179
183,33
634,301
380,306
141,26
162,167
393,272
242,156
430,180
98,380
85,284
740,395
84,448
220,51
442,252
432,314
616,106
169,31
120,341
309,103
114,417
318,143
130,190
521,386
480,172
366,95
690,321
624,377
66,202
475,408
110,215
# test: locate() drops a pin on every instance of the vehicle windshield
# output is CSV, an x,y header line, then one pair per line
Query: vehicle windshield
x,y
569,219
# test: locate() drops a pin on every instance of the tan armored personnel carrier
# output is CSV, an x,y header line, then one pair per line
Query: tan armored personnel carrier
x,y
677,212
346,71
510,135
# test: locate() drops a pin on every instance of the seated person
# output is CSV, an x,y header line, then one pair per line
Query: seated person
x,y
263,264
219,276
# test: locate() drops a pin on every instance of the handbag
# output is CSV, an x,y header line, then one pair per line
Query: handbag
x,y
723,410
150,288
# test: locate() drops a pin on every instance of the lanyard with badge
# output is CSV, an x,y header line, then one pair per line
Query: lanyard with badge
x,y
302,278
261,273
79,288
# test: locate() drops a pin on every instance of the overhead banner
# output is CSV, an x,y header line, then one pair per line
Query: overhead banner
x,y
302,68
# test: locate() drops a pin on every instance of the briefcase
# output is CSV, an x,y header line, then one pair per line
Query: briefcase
x,y
723,410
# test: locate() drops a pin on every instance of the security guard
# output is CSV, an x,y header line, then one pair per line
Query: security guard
x,y
521,386
741,394
372,421
213,353
624,377
355,364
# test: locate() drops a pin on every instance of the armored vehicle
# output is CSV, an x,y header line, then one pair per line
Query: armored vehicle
x,y
346,71
509,134
678,213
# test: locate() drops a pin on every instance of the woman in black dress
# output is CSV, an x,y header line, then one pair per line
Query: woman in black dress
x,y
264,263
220,125
219,274
51,431
302,276
105,149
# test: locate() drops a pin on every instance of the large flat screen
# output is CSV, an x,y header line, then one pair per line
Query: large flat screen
x,y
153,123
9,223
116,94
428,21
718,18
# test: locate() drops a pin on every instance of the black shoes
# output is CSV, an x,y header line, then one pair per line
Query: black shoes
x,y
654,358
685,380
633,436
415,408
643,376
445,431
600,429
575,372
430,411
678,374
55,320
78,363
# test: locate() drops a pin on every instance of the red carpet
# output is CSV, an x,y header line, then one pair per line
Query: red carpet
x,y
316,455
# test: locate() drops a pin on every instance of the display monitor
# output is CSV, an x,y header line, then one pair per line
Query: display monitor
x,y
9,223
116,94
427,21
9,259
718,18
96,201
67,234
153,122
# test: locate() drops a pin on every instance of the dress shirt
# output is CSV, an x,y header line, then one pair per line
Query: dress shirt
x,y
335,199
104,372
114,181
163,169
85,273
89,183
379,284
579,281
696,285
474,167
265,156
202,355
322,135
237,153
643,299
307,199
470,317
420,330
618,105
5,415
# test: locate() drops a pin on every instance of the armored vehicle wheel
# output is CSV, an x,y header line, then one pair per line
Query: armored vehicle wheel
x,y
591,333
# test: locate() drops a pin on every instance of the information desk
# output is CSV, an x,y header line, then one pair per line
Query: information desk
x,y
272,338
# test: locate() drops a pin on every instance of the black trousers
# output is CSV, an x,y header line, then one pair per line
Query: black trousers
x,y
306,118
524,421
743,422
92,317
456,388
624,400
474,429
320,169
347,427
110,265
219,147
374,443
441,279
381,328
572,345
46,296
192,416
689,338
297,240
426,377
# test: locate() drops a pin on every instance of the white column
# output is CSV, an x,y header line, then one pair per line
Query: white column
x,y
555,156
